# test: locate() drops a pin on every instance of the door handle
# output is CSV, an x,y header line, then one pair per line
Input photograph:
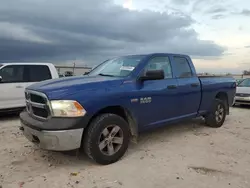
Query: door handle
x,y
195,84
172,87
19,86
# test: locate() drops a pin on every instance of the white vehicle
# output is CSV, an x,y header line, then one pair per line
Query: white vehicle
x,y
15,77
242,95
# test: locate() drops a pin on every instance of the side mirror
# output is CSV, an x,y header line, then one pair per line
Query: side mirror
x,y
153,75
86,73
1,78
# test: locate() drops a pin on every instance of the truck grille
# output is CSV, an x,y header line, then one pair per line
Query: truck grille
x,y
37,104
242,95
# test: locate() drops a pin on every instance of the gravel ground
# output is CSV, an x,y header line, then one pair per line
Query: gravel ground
x,y
186,155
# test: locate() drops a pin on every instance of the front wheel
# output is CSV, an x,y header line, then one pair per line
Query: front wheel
x,y
217,115
106,139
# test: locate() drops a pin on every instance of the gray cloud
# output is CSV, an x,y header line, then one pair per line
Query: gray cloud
x,y
217,16
245,12
62,30
181,2
247,46
210,6
216,10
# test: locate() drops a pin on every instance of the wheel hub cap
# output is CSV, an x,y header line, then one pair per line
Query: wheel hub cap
x,y
111,140
219,113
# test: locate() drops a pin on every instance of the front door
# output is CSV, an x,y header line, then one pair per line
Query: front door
x,y
157,98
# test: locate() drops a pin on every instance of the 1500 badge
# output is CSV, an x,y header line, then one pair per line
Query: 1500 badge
x,y
145,100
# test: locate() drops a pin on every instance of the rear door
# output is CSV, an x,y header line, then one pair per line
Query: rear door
x,y
37,73
189,87
14,79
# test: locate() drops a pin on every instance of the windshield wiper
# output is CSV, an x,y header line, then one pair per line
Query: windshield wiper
x,y
101,74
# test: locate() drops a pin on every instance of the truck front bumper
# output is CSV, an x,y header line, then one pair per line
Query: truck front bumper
x,y
63,140
55,140
242,100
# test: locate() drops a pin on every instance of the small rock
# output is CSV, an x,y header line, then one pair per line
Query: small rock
x,y
211,143
177,178
50,165
73,173
229,183
30,180
120,183
77,182
141,158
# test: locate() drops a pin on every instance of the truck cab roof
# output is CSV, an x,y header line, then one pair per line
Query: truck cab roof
x,y
155,54
26,63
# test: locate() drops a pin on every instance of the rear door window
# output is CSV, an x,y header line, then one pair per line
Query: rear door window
x,y
38,73
13,74
183,69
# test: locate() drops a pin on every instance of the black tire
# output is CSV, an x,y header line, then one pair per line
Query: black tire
x,y
92,135
212,119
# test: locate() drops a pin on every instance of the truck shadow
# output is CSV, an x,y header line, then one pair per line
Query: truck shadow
x,y
164,134
242,106
5,116
78,158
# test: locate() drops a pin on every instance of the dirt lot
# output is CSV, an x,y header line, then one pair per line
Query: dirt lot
x,y
186,155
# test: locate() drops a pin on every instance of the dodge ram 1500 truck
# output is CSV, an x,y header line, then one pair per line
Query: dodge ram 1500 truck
x,y
120,98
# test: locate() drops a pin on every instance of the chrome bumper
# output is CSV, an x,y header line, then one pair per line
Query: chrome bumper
x,y
63,140
242,100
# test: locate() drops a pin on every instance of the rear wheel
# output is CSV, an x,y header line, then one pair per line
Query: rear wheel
x,y
106,139
217,115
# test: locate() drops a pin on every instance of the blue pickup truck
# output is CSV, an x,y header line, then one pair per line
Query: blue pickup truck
x,y
105,109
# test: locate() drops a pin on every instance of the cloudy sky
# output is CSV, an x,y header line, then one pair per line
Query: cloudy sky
x,y
216,33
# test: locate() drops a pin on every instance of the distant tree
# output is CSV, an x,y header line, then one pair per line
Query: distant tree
x,y
246,72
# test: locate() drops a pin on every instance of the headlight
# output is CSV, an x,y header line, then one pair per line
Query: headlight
x,y
67,108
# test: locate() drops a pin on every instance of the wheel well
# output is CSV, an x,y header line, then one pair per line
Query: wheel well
x,y
223,96
125,114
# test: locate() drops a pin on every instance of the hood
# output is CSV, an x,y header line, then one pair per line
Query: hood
x,y
59,87
244,90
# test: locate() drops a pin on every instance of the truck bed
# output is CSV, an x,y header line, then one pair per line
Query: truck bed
x,y
214,85
214,76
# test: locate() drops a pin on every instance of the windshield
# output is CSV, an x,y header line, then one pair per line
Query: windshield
x,y
245,83
118,67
